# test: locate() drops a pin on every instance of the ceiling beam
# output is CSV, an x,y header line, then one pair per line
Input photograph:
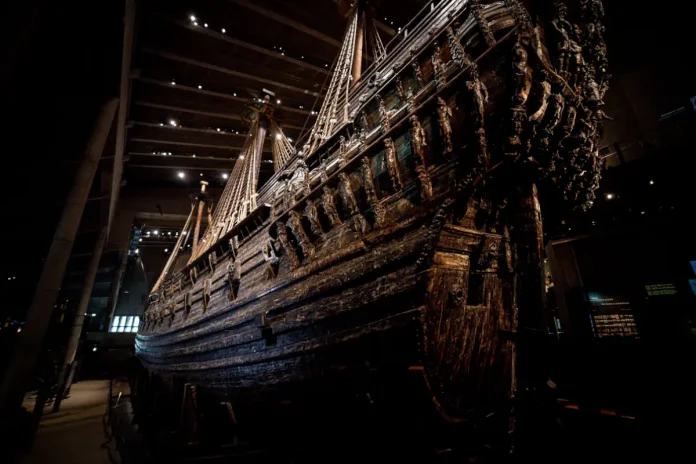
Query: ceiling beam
x,y
255,7
225,96
197,158
249,46
188,129
202,113
230,72
195,168
185,144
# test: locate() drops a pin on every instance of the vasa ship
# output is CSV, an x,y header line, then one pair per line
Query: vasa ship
x,y
403,236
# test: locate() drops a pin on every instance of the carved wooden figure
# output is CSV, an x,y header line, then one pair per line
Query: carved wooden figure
x,y
329,206
392,164
287,246
438,67
370,191
295,225
444,115
312,215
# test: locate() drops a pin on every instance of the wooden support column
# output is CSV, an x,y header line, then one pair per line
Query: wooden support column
x,y
21,367
78,322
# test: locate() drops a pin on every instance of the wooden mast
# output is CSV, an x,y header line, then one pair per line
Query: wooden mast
x,y
199,215
357,54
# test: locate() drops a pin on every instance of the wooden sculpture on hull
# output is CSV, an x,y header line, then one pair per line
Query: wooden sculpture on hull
x,y
406,235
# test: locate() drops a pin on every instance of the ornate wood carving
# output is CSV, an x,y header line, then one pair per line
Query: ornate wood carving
x,y
438,67
444,115
370,191
312,215
329,206
418,143
287,246
234,279
459,55
295,225
271,259
342,150
350,204
485,29
392,164
417,73
383,115
400,92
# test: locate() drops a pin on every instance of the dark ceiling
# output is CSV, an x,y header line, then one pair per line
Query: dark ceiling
x,y
196,66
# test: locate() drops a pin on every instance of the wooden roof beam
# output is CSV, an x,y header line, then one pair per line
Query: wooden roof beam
x,y
233,117
171,167
255,7
249,46
230,72
225,96
184,144
197,158
242,134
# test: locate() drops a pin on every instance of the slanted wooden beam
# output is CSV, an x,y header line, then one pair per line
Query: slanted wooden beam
x,y
257,8
249,46
230,72
126,59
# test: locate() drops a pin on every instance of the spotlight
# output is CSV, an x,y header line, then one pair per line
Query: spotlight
x,y
193,18
652,182
200,86
278,101
223,30
225,176
172,122
609,196
166,250
278,136
181,176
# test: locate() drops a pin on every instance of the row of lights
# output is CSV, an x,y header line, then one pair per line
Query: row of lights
x,y
182,174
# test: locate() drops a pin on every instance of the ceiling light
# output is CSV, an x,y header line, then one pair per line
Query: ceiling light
x,y
201,174
195,23
235,94
609,196
218,129
161,124
194,155
200,86
140,239
193,18
169,233
94,349
225,176
137,251
223,30
181,176
156,232
172,122
326,65
94,314
166,250
278,136
278,101
205,24
302,57
241,157
652,182
173,83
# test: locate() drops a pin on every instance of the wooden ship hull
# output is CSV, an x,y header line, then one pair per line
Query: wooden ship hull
x,y
411,251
